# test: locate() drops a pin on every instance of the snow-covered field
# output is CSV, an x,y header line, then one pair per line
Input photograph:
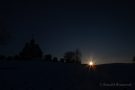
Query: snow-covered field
x,y
61,76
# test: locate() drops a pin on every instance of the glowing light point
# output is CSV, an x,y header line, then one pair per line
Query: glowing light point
x,y
91,63
92,66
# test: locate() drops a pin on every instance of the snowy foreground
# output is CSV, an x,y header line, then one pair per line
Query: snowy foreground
x,y
62,76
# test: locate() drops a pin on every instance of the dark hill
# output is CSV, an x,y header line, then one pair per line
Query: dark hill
x,y
62,76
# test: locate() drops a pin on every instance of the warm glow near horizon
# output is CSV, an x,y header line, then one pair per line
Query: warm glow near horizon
x,y
91,63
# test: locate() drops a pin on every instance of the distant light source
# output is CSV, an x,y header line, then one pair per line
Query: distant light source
x,y
91,63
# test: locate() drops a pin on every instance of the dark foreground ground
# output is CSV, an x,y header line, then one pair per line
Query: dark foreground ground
x,y
60,76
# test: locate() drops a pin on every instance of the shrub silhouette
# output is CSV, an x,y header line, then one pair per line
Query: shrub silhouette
x,y
48,57
134,59
2,57
55,59
16,57
62,60
9,58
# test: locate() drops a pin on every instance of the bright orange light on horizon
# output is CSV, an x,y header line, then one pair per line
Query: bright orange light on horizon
x,y
91,63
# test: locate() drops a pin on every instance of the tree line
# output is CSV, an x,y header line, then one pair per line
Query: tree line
x,y
69,57
32,51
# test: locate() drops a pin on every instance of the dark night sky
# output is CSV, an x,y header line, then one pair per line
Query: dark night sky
x,y
103,29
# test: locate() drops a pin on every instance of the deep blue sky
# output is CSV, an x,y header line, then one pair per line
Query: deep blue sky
x,y
103,29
